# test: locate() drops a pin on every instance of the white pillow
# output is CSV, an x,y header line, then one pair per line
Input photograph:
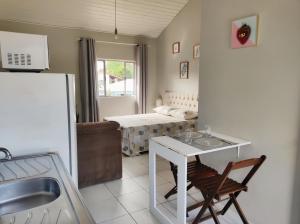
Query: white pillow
x,y
183,114
165,110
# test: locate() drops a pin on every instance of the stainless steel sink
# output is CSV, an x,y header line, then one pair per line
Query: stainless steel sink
x,y
38,189
21,195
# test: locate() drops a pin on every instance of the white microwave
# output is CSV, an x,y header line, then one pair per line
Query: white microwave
x,y
20,51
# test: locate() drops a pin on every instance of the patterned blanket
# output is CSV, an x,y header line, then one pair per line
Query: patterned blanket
x,y
136,139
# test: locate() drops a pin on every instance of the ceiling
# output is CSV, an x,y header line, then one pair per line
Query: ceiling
x,y
134,17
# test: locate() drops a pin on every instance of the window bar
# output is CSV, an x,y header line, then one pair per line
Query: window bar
x,y
125,78
134,79
104,73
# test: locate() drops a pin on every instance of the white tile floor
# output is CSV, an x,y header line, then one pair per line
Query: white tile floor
x,y
126,201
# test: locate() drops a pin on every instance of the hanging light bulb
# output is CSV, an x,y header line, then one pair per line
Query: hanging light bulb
x,y
116,29
116,33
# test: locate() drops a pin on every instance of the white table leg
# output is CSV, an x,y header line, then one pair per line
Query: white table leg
x,y
181,191
238,152
179,160
152,178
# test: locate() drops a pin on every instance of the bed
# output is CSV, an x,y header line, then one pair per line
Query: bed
x,y
138,129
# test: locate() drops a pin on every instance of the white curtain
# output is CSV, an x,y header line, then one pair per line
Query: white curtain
x,y
88,80
141,78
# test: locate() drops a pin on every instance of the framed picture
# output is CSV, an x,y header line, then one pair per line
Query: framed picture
x,y
196,51
184,70
176,47
244,32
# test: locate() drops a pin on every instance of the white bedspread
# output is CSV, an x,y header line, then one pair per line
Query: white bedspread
x,y
142,119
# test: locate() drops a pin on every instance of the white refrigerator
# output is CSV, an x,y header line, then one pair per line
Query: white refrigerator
x,y
37,114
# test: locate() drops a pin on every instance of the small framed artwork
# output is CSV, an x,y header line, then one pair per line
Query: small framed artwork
x,y
196,51
244,32
176,47
184,70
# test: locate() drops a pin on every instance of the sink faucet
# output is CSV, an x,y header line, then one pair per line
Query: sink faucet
x,y
7,153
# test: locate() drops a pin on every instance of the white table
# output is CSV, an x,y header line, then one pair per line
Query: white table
x,y
177,152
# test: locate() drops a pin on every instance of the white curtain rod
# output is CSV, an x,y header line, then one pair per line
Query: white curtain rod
x,y
112,42
118,43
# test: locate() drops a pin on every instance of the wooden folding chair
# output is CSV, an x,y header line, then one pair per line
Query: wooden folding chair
x,y
220,185
193,168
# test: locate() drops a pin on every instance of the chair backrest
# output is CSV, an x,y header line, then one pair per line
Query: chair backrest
x,y
255,163
247,163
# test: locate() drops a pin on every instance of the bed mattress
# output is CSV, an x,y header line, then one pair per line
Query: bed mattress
x,y
138,129
142,119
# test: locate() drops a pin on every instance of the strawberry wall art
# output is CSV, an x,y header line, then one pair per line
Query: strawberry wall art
x,y
244,32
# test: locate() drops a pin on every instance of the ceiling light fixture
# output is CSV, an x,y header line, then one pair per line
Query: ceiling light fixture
x,y
116,30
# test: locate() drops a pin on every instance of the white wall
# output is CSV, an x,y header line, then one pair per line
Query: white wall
x,y
124,105
117,106
115,51
64,53
184,28
254,93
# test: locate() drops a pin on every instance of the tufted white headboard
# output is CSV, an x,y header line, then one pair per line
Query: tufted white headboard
x,y
181,100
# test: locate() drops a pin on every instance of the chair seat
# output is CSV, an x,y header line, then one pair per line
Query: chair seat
x,y
208,185
198,169
215,186
195,168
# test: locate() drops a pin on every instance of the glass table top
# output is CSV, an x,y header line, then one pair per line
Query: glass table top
x,y
201,141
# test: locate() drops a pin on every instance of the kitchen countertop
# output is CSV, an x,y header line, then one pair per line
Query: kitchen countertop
x,y
67,208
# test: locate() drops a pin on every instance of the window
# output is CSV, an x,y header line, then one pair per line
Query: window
x,y
116,78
